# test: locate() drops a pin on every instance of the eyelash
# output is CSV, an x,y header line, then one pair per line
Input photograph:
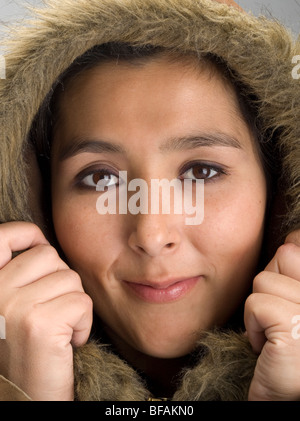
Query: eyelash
x,y
207,166
105,171
89,172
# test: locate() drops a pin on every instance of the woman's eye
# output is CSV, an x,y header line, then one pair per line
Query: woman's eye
x,y
100,178
201,172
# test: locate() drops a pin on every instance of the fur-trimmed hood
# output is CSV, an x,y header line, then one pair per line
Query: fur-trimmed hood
x,y
260,53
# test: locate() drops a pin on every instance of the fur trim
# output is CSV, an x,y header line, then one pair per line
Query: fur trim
x,y
102,376
223,372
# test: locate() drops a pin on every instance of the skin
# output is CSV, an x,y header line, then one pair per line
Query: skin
x,y
140,108
269,314
46,308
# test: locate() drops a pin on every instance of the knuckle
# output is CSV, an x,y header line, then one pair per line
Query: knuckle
x,y
10,306
85,298
260,282
35,229
73,279
75,297
293,237
85,301
46,252
251,302
16,237
32,323
285,250
78,303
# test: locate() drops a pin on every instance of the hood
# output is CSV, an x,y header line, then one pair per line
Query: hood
x,y
260,54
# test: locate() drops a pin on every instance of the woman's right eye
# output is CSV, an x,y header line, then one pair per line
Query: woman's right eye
x,y
99,179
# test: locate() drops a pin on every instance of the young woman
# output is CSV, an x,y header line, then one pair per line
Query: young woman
x,y
131,305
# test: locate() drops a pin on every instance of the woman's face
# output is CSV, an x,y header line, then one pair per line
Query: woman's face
x,y
155,281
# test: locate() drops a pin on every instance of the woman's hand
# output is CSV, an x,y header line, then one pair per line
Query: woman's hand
x,y
46,312
272,320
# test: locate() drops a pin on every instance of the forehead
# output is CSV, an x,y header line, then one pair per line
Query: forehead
x,y
159,94
163,68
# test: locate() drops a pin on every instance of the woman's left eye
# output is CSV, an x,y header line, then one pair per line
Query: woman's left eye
x,y
201,172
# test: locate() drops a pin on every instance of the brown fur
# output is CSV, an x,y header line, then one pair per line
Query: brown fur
x,y
223,371
260,51
101,375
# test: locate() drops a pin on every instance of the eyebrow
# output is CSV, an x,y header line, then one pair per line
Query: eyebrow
x,y
79,145
202,140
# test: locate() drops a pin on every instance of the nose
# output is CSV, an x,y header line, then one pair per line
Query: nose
x,y
154,235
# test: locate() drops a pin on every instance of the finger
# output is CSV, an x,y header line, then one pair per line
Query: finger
x,y
71,318
33,264
286,261
18,236
278,285
50,287
268,317
293,237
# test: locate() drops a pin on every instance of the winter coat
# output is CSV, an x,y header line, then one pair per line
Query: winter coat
x,y
259,51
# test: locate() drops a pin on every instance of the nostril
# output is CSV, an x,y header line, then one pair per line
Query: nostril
x,y
144,250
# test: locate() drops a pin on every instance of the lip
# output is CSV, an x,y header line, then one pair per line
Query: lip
x,y
162,292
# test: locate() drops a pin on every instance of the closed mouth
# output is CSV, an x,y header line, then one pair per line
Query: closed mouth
x,y
162,291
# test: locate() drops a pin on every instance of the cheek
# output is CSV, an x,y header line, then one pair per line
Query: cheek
x,y
230,240
233,227
236,220
84,235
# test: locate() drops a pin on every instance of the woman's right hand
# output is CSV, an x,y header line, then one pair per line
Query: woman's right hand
x,y
46,312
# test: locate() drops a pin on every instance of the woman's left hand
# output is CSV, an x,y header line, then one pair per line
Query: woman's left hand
x,y
272,320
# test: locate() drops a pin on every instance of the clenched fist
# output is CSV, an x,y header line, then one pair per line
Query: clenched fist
x,y
46,311
270,315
